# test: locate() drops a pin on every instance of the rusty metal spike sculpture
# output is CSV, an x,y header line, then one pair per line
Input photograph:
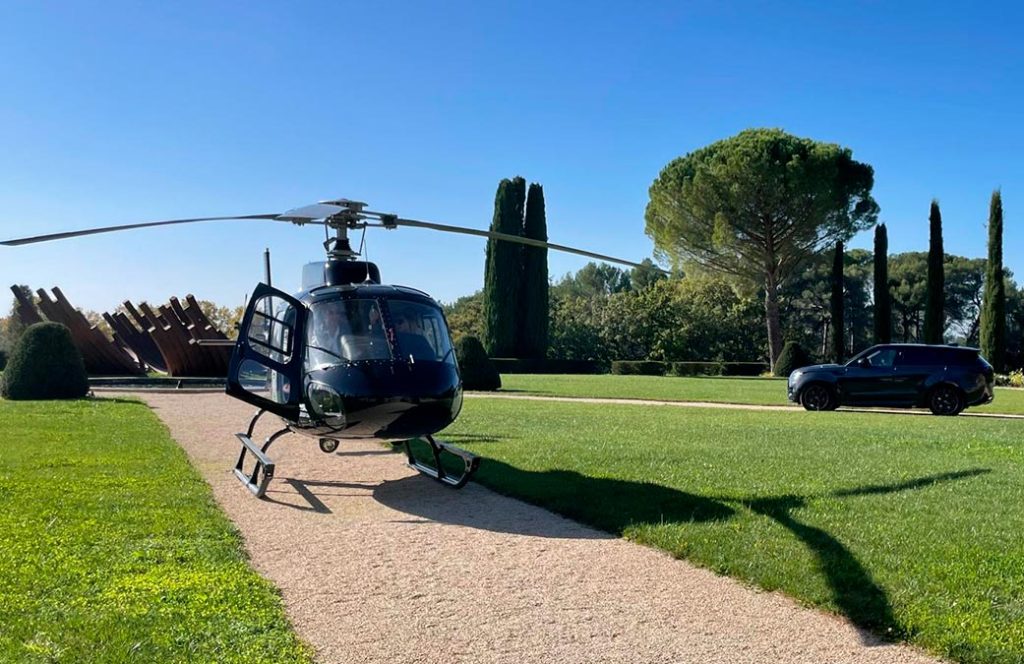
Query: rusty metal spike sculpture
x,y
101,356
164,340
175,331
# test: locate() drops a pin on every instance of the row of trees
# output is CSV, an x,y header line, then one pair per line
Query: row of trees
x,y
761,215
604,313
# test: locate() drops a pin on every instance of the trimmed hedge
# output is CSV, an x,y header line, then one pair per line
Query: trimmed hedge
x,y
696,369
476,369
641,368
508,365
45,365
649,368
792,357
744,368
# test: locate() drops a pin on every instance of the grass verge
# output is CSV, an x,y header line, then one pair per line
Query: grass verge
x,y
114,551
759,391
908,526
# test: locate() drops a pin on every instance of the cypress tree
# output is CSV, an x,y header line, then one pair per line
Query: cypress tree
x,y
838,325
935,301
883,299
993,307
503,271
533,317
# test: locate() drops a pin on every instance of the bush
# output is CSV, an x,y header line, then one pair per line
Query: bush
x,y
45,365
793,357
630,368
477,370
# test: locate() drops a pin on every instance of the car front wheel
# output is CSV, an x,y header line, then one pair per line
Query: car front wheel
x,y
818,397
945,400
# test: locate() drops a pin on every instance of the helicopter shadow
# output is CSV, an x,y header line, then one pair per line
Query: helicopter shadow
x,y
566,493
302,489
612,505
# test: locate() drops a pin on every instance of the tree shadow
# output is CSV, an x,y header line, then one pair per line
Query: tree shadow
x,y
609,505
613,505
854,591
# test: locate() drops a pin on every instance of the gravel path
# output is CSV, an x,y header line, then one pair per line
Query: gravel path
x,y
379,564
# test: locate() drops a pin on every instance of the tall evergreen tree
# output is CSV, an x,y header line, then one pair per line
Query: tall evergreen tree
x,y
935,301
533,316
883,299
503,271
838,324
993,307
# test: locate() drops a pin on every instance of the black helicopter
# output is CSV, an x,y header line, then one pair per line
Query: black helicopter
x,y
347,357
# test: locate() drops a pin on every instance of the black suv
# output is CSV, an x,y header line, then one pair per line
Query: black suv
x,y
945,379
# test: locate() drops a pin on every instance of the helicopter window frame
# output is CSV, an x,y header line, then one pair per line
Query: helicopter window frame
x,y
276,328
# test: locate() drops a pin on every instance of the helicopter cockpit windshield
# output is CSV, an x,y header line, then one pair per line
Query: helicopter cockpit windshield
x,y
354,330
343,331
420,333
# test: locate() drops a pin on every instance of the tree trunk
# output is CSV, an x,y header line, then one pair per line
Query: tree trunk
x,y
771,314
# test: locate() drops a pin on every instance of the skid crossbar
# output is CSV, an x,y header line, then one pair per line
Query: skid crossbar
x,y
470,462
263,470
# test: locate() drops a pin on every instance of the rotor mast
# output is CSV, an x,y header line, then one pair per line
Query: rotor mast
x,y
338,247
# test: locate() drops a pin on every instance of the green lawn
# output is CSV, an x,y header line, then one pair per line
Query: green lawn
x,y
764,391
114,551
910,526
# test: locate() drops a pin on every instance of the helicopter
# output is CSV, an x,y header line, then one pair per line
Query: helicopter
x,y
347,357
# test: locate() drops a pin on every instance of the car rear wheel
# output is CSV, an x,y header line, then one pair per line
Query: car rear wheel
x,y
818,397
945,400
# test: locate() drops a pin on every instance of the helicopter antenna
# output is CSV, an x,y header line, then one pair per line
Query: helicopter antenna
x,y
364,251
266,266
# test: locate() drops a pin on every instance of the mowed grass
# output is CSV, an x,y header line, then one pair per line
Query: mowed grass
x,y
732,389
114,551
909,526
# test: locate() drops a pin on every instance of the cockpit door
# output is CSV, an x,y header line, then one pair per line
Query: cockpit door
x,y
266,366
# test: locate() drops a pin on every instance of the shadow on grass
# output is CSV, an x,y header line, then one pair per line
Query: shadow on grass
x,y
613,505
854,591
607,504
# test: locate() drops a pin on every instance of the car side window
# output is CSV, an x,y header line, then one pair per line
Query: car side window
x,y
884,358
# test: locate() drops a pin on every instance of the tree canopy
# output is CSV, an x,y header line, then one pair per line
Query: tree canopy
x,y
757,206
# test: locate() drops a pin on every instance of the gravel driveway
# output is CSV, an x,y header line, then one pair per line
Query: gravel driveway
x,y
378,564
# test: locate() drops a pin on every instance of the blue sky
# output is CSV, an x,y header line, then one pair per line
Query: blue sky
x,y
119,112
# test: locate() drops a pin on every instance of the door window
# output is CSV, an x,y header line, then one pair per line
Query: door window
x,y
883,358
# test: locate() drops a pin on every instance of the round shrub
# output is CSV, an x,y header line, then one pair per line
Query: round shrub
x,y
45,365
792,357
478,372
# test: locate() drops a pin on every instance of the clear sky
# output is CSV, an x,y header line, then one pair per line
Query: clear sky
x,y
118,112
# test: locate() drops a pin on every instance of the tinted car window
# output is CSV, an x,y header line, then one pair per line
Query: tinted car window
x,y
917,357
965,358
882,358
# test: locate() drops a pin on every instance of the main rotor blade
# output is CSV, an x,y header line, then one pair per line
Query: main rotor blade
x,y
110,229
521,240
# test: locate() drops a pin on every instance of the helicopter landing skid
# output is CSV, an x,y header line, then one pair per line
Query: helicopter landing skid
x,y
263,471
470,463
